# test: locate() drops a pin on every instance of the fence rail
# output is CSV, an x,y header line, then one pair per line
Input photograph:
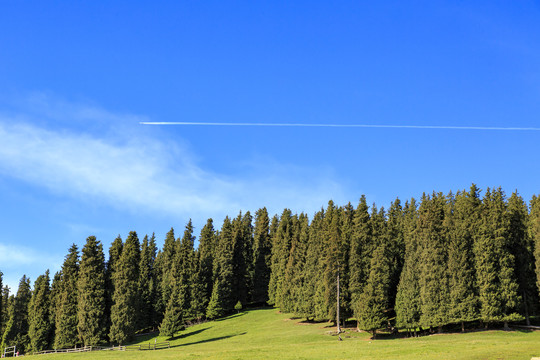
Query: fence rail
x,y
149,346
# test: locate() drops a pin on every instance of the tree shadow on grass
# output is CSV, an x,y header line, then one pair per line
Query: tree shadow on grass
x,y
208,340
232,316
186,334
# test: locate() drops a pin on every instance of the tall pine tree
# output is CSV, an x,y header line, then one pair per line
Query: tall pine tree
x,y
125,309
222,299
462,230
91,288
497,283
16,330
262,253
40,328
66,314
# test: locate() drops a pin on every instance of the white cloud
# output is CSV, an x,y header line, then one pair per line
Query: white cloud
x,y
141,172
18,259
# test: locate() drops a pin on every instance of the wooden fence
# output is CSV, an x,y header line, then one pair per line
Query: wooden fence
x,y
149,346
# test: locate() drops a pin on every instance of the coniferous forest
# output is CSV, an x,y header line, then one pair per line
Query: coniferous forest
x,y
466,260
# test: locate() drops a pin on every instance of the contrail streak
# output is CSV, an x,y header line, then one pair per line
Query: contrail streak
x,y
445,127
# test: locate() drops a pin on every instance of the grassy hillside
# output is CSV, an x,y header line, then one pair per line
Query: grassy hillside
x,y
266,334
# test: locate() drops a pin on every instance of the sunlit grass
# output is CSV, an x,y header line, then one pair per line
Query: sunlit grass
x,y
267,334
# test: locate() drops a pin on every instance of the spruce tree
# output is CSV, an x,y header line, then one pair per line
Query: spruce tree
x,y
91,300
360,253
173,320
222,297
125,309
66,314
164,262
287,288
202,286
242,238
347,232
333,260
147,283
462,230
281,245
408,293
294,273
312,274
40,328
371,316
534,233
395,248
114,255
433,259
521,244
16,330
179,303
184,264
56,293
495,264
262,253
4,297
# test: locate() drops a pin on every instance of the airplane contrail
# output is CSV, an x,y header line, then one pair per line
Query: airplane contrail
x,y
342,125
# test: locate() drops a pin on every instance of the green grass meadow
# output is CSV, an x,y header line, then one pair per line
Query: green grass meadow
x,y
267,334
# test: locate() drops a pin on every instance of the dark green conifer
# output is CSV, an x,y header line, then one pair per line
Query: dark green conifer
x,y
222,299
333,260
359,253
521,244
114,255
66,315
202,286
462,230
173,320
164,262
91,293
281,245
180,302
408,293
125,309
287,288
372,315
4,297
147,283
433,277
56,292
395,248
495,264
242,257
262,254
311,306
16,330
534,233
40,328
183,265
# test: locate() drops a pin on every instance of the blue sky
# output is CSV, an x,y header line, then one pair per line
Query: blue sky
x,y
77,78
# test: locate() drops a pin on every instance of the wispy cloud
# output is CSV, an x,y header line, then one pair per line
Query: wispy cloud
x,y
143,172
17,259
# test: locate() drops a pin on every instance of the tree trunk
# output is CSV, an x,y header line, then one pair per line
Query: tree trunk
x,y
463,326
526,309
439,329
506,328
337,310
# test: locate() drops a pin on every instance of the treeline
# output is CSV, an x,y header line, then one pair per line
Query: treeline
x,y
446,259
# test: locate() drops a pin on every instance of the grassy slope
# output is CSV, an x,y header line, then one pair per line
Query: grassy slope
x,y
265,334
